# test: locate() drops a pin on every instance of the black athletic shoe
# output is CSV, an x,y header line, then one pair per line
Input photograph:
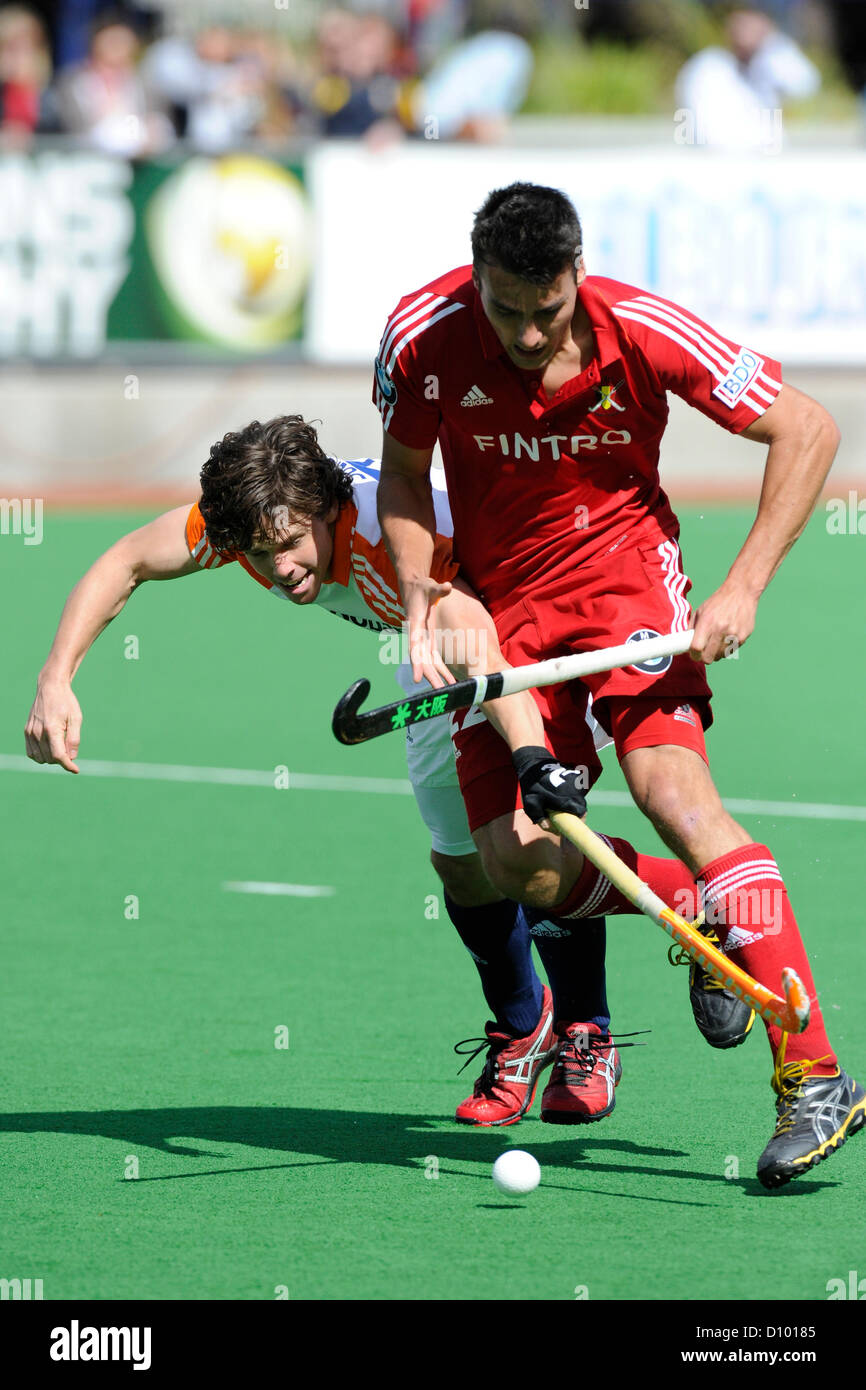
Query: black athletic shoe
x,y
724,1020
815,1117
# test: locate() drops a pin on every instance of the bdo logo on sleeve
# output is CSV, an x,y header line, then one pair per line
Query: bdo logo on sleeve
x,y
740,377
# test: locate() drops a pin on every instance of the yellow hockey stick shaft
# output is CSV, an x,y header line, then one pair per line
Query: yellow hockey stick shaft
x,y
790,1013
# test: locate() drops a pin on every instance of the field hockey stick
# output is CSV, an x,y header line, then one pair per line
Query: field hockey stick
x,y
350,725
791,1013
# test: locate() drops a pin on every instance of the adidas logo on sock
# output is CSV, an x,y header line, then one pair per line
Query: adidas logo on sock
x,y
475,396
740,936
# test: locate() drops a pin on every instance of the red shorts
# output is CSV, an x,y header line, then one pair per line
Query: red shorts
x,y
638,591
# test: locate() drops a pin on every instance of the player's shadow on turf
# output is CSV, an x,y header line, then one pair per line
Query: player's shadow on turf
x,y
351,1136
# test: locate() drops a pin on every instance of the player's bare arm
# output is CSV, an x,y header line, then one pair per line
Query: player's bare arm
x,y
406,513
803,438
462,619
155,551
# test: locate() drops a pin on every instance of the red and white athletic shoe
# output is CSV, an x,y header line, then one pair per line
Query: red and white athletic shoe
x,y
584,1077
506,1087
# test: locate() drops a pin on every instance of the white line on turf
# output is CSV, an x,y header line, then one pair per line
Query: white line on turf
x,y
281,890
226,776
740,806
388,786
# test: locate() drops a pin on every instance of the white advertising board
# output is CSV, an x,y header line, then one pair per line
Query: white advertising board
x,y
770,249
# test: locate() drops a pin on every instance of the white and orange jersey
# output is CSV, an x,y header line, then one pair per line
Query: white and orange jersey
x,y
362,584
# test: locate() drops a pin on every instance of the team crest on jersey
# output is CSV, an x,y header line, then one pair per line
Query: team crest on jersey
x,y
656,666
606,393
385,384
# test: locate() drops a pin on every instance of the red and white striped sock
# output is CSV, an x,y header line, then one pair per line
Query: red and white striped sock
x,y
746,903
593,895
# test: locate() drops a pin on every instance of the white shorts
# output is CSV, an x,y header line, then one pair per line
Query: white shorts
x,y
430,759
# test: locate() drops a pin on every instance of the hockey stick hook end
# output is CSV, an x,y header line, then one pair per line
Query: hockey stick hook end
x,y
345,723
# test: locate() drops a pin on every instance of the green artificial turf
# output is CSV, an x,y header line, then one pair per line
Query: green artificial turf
x,y
146,1043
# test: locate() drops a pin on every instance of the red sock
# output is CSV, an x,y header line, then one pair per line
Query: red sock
x,y
593,895
747,905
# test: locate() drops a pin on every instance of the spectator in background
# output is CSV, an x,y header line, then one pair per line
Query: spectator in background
x,y
426,27
434,25
278,76
470,93
220,87
357,88
25,76
73,22
731,98
105,101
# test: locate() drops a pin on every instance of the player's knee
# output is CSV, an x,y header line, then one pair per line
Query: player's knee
x,y
464,879
662,802
519,871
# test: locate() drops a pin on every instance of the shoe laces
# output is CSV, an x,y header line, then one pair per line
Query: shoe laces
x,y
493,1045
577,1062
788,1081
678,955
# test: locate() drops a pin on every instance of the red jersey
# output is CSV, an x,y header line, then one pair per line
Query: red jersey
x,y
540,486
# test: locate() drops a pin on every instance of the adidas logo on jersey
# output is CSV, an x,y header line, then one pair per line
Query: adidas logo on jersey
x,y
475,396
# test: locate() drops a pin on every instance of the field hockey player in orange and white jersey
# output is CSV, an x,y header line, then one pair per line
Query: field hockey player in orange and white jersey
x,y
303,527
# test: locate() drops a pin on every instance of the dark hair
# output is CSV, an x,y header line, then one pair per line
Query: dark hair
x,y
114,17
530,231
253,477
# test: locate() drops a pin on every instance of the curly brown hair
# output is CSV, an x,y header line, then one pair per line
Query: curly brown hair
x,y
254,476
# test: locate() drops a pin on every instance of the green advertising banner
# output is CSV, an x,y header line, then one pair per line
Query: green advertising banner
x,y
96,250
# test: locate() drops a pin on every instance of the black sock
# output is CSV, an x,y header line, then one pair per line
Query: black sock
x,y
572,953
497,937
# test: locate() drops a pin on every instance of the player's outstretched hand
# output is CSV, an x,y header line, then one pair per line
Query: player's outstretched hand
x,y
53,730
420,597
546,785
723,623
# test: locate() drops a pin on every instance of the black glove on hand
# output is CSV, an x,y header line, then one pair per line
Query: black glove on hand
x,y
546,785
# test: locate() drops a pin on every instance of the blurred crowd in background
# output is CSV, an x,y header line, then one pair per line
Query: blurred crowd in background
x,y
139,79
